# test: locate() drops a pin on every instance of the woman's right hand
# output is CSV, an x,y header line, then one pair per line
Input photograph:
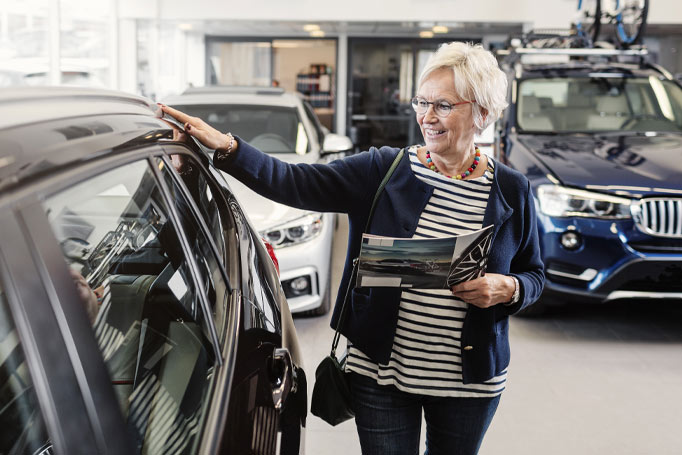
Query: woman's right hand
x,y
194,126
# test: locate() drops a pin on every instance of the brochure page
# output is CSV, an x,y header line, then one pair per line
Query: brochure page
x,y
423,263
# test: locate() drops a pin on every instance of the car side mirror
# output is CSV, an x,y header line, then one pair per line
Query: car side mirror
x,y
336,143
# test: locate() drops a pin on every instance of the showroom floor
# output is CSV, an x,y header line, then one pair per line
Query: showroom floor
x,y
589,381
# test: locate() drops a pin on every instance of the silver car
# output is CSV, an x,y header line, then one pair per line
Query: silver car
x,y
284,125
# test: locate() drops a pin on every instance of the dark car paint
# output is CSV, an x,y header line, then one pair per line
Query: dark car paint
x,y
39,159
619,160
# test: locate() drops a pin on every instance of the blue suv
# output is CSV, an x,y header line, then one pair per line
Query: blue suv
x,y
599,135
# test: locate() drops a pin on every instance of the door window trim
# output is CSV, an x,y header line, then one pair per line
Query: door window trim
x,y
217,193
184,244
202,223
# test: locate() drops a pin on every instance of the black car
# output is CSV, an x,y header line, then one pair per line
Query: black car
x,y
598,132
139,310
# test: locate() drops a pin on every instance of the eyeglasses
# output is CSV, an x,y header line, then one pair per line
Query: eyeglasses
x,y
440,107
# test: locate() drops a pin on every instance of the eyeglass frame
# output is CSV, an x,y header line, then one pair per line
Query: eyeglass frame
x,y
415,104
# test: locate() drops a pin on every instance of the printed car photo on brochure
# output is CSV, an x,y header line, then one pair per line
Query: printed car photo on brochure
x,y
423,263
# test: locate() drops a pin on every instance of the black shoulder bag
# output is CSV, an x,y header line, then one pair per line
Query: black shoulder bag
x,y
331,395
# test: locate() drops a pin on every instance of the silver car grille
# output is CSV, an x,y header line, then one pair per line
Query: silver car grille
x,y
661,217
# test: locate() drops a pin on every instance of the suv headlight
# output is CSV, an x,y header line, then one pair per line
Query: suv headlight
x,y
557,200
295,231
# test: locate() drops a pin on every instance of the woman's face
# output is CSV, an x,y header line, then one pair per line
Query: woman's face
x,y
451,134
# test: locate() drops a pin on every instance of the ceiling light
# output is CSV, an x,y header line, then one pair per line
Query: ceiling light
x,y
317,34
440,29
426,34
185,27
311,27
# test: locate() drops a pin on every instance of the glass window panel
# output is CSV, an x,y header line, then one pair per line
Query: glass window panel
x,y
23,41
271,129
84,43
134,280
599,104
255,63
23,429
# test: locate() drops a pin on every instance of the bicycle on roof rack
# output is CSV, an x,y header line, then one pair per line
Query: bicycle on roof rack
x,y
628,17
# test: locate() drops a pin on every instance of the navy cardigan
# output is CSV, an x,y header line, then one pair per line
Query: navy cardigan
x,y
348,186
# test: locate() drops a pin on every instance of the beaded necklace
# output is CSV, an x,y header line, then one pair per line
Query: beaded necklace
x,y
463,175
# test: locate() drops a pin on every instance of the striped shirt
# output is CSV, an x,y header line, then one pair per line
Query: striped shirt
x,y
426,357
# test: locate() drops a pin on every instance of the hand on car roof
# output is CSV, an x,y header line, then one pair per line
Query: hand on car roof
x,y
196,127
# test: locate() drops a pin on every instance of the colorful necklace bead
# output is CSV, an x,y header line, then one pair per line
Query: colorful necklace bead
x,y
463,175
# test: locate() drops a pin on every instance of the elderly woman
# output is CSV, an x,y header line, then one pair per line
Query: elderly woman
x,y
441,352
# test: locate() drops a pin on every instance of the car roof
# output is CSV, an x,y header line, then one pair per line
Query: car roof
x,y
26,105
258,96
45,128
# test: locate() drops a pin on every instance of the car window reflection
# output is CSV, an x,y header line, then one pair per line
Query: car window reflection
x,y
125,255
23,428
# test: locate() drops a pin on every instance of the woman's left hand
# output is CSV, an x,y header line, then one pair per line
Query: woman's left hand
x,y
486,291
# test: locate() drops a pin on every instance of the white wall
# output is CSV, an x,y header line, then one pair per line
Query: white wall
x,y
541,14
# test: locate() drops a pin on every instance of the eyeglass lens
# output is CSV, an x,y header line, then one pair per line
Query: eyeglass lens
x,y
441,108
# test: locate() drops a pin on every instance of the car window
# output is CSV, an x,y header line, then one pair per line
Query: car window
x,y
315,122
609,103
135,281
272,129
210,268
23,429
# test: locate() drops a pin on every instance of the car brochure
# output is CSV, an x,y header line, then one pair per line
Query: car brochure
x,y
437,263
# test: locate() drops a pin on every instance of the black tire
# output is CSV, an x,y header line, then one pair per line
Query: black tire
x,y
630,26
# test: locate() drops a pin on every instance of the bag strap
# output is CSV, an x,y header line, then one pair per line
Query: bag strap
x,y
342,315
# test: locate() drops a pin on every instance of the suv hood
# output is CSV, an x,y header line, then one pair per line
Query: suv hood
x,y
624,160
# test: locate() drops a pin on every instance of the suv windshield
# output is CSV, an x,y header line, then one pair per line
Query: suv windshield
x,y
269,128
587,104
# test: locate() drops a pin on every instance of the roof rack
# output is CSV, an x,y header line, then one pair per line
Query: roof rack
x,y
515,56
565,42
582,52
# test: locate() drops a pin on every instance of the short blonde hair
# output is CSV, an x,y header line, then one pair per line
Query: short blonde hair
x,y
477,77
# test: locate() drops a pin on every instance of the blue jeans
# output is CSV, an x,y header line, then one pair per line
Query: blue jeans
x,y
389,420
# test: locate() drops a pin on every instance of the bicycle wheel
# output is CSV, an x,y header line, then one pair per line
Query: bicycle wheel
x,y
631,20
588,19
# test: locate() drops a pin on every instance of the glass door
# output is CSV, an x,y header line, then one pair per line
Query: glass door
x,y
254,57
382,81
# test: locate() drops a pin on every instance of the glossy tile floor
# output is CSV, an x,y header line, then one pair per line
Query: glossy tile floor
x,y
595,380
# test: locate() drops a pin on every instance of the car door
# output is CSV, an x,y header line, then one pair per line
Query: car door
x,y
111,234
264,406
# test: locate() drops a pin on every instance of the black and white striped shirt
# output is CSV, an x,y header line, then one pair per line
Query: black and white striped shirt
x,y
426,358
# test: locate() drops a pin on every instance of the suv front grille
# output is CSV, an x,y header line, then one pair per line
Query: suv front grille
x,y
659,216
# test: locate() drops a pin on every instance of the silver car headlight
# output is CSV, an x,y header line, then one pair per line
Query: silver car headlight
x,y
560,201
295,231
